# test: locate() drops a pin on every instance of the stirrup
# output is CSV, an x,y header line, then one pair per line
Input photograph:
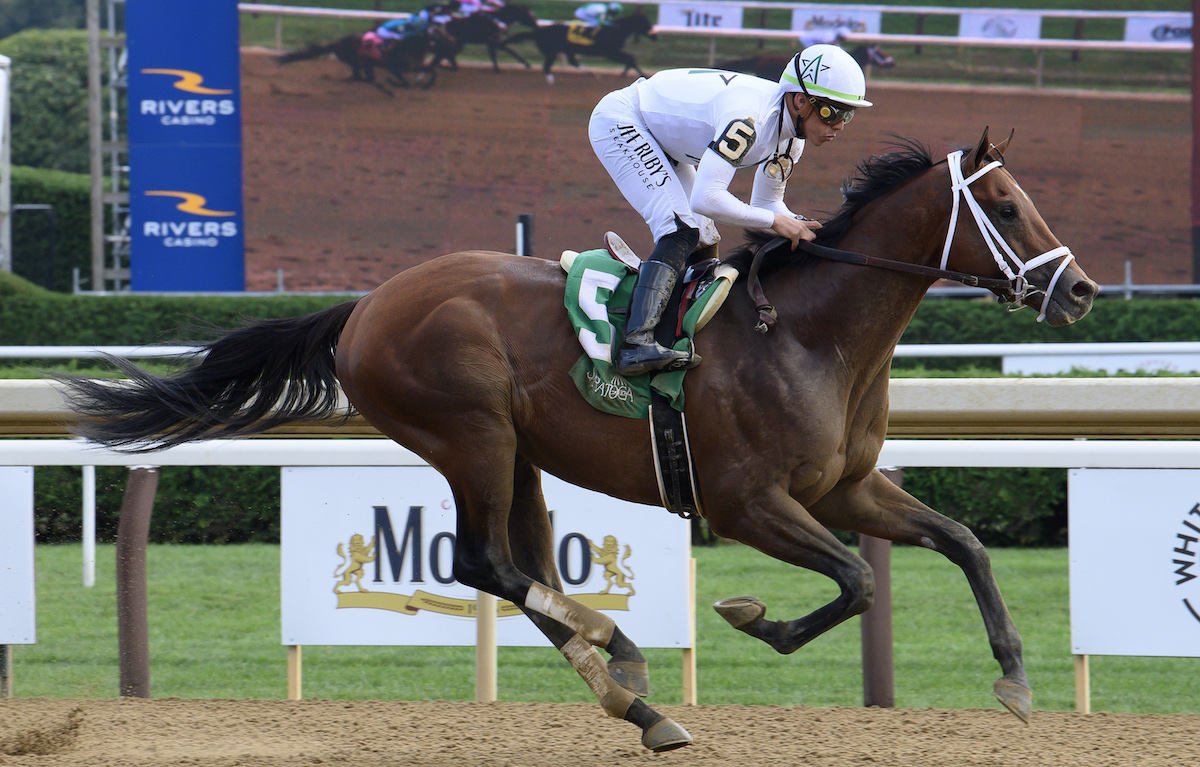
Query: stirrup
x,y
631,360
617,248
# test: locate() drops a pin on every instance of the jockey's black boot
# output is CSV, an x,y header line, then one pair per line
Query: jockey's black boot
x,y
640,353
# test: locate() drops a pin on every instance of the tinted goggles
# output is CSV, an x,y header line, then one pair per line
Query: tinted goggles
x,y
829,114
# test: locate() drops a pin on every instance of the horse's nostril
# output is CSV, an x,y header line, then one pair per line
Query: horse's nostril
x,y
1085,289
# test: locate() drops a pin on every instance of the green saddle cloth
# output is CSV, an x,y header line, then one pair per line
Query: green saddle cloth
x,y
596,284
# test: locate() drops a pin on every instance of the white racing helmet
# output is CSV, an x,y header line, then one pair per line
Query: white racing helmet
x,y
827,72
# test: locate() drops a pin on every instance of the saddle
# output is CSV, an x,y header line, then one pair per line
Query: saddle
x,y
599,286
581,33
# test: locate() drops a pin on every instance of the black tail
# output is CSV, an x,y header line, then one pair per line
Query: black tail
x,y
252,379
304,54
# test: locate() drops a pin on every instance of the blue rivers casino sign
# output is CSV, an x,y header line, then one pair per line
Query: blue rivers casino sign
x,y
185,146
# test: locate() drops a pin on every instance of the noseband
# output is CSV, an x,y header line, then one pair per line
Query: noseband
x,y
1019,287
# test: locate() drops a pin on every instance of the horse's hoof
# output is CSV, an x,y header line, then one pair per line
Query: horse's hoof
x,y
633,676
1015,696
666,735
740,611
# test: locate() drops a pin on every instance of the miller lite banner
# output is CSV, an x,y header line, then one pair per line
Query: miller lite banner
x,y
18,624
367,558
1135,561
185,146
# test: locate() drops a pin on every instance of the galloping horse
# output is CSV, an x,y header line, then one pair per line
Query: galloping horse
x,y
486,28
406,55
552,40
785,427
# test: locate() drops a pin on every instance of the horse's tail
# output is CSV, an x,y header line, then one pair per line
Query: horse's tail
x,y
252,379
304,54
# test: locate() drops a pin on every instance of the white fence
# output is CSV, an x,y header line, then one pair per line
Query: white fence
x,y
1044,358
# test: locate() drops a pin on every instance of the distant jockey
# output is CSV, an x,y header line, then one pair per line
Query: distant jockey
x,y
598,14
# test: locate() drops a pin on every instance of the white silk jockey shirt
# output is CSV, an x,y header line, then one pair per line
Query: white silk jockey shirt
x,y
710,122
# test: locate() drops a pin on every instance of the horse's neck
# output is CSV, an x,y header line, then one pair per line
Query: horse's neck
x,y
868,308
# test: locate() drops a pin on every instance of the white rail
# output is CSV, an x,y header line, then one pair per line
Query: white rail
x,y
903,350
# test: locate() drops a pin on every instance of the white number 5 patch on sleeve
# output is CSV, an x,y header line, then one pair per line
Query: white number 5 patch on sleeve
x,y
735,141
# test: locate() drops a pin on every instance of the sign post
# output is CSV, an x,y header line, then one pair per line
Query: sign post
x,y
185,146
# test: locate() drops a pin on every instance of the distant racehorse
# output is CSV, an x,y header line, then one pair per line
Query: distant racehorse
x,y
609,40
398,57
485,28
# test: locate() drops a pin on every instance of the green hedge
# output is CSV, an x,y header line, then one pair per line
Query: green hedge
x,y
1014,507
49,98
70,194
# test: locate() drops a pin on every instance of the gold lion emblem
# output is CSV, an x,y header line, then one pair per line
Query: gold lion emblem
x,y
614,571
351,568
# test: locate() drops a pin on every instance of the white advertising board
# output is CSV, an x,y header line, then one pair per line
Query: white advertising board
x,y
815,24
1159,29
1134,545
700,15
1004,25
367,559
1030,364
18,621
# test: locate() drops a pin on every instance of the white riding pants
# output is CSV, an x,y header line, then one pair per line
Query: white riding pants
x,y
652,185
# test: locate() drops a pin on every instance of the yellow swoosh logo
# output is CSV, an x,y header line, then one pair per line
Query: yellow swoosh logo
x,y
188,81
192,203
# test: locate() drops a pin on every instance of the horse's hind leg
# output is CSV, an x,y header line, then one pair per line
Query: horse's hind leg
x,y
879,508
488,490
532,544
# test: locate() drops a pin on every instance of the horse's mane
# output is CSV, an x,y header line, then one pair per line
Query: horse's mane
x,y
873,177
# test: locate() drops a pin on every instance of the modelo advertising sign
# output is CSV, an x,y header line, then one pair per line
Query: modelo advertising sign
x,y
367,557
185,146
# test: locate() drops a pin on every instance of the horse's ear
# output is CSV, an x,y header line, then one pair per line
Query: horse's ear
x,y
1003,145
976,158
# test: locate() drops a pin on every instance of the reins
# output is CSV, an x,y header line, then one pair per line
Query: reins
x,y
1011,288
767,314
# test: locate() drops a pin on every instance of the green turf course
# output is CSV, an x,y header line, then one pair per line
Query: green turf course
x,y
214,633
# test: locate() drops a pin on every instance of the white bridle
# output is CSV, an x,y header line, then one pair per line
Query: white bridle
x,y
1021,286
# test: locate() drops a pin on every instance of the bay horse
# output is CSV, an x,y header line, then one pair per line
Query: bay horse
x,y
398,57
609,42
486,28
786,426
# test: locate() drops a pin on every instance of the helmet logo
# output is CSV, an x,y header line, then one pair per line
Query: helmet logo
x,y
812,68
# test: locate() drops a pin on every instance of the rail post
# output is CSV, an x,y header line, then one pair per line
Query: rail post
x,y
5,671
878,668
133,627
525,234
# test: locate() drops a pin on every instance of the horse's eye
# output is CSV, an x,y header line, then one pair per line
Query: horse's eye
x,y
1008,212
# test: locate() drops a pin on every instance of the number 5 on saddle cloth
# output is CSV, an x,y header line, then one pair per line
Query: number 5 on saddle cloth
x,y
598,291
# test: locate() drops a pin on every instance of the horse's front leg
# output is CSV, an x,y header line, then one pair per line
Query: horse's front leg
x,y
875,506
621,57
777,525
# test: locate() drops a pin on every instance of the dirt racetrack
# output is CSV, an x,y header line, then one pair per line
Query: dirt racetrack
x,y
345,185
263,733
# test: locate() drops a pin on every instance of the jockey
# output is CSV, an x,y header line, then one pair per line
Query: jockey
x,y
475,6
398,29
672,144
598,14
439,13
